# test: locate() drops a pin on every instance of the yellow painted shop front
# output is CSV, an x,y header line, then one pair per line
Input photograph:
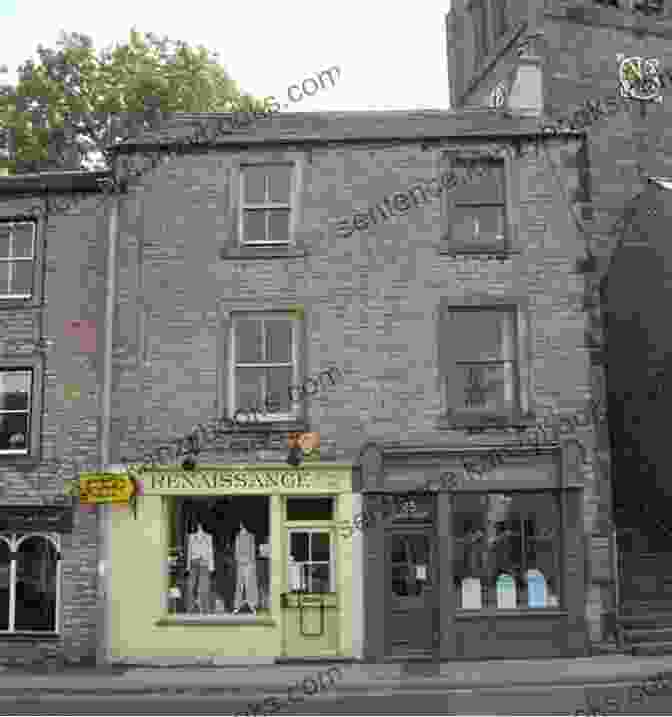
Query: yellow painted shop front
x,y
241,561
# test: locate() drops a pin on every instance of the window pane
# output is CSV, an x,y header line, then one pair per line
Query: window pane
x,y
480,180
14,431
36,585
4,585
278,381
249,388
278,340
488,387
23,239
22,281
254,225
317,578
280,175
219,559
5,270
478,224
4,240
255,178
298,546
319,545
515,535
248,340
310,509
479,335
14,388
279,225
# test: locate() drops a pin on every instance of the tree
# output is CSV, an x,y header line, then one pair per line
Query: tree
x,y
72,103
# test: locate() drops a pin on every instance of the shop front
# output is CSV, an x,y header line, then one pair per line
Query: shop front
x,y
466,564
236,562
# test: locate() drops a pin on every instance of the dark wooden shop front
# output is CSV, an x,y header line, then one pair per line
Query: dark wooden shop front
x,y
486,566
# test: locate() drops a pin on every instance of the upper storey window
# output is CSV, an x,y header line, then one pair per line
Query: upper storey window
x,y
266,204
17,258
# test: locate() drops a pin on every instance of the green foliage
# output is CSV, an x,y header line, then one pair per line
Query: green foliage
x,y
73,102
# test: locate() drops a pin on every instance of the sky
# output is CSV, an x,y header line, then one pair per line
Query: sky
x,y
390,58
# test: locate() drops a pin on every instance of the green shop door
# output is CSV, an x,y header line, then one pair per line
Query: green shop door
x,y
310,606
411,587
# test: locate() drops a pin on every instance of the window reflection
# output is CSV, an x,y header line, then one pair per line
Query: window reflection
x,y
36,585
500,535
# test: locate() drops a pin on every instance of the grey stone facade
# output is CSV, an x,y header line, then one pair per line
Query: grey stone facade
x,y
69,287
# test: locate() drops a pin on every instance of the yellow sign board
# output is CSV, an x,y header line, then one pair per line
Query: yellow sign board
x,y
105,488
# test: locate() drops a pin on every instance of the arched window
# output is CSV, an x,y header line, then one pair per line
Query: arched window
x,y
5,581
29,583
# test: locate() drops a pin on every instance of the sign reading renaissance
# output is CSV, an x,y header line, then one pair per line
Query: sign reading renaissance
x,y
214,480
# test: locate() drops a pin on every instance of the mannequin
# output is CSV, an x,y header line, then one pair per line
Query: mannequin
x,y
246,564
201,562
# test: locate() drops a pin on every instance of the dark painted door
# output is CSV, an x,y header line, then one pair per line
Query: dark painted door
x,y
411,589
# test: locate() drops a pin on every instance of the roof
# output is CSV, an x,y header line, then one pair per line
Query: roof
x,y
344,127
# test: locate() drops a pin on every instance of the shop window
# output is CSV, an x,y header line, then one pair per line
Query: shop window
x,y
29,580
475,211
507,550
17,259
482,371
311,561
264,367
15,410
310,509
266,206
220,555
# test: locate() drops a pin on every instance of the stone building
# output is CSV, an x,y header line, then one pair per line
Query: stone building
x,y
52,287
432,259
573,51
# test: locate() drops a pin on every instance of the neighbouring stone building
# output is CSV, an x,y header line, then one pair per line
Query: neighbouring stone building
x,y
51,305
573,49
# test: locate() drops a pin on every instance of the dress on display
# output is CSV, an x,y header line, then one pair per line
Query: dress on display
x,y
246,570
201,562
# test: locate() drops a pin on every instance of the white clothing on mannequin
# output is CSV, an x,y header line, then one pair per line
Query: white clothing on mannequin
x,y
246,570
200,548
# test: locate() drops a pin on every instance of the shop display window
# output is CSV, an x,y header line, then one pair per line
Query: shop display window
x,y
29,578
507,550
219,562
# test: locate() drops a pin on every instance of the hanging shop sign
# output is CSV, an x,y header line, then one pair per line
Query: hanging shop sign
x,y
105,488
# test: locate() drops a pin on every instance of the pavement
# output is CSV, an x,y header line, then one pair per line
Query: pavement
x,y
356,677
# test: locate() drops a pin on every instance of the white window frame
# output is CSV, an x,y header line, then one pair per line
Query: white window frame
x,y
3,412
265,205
234,364
14,543
332,553
12,260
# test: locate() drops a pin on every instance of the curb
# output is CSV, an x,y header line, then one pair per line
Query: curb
x,y
428,684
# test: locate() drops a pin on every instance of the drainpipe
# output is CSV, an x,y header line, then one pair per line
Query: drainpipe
x,y
102,510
